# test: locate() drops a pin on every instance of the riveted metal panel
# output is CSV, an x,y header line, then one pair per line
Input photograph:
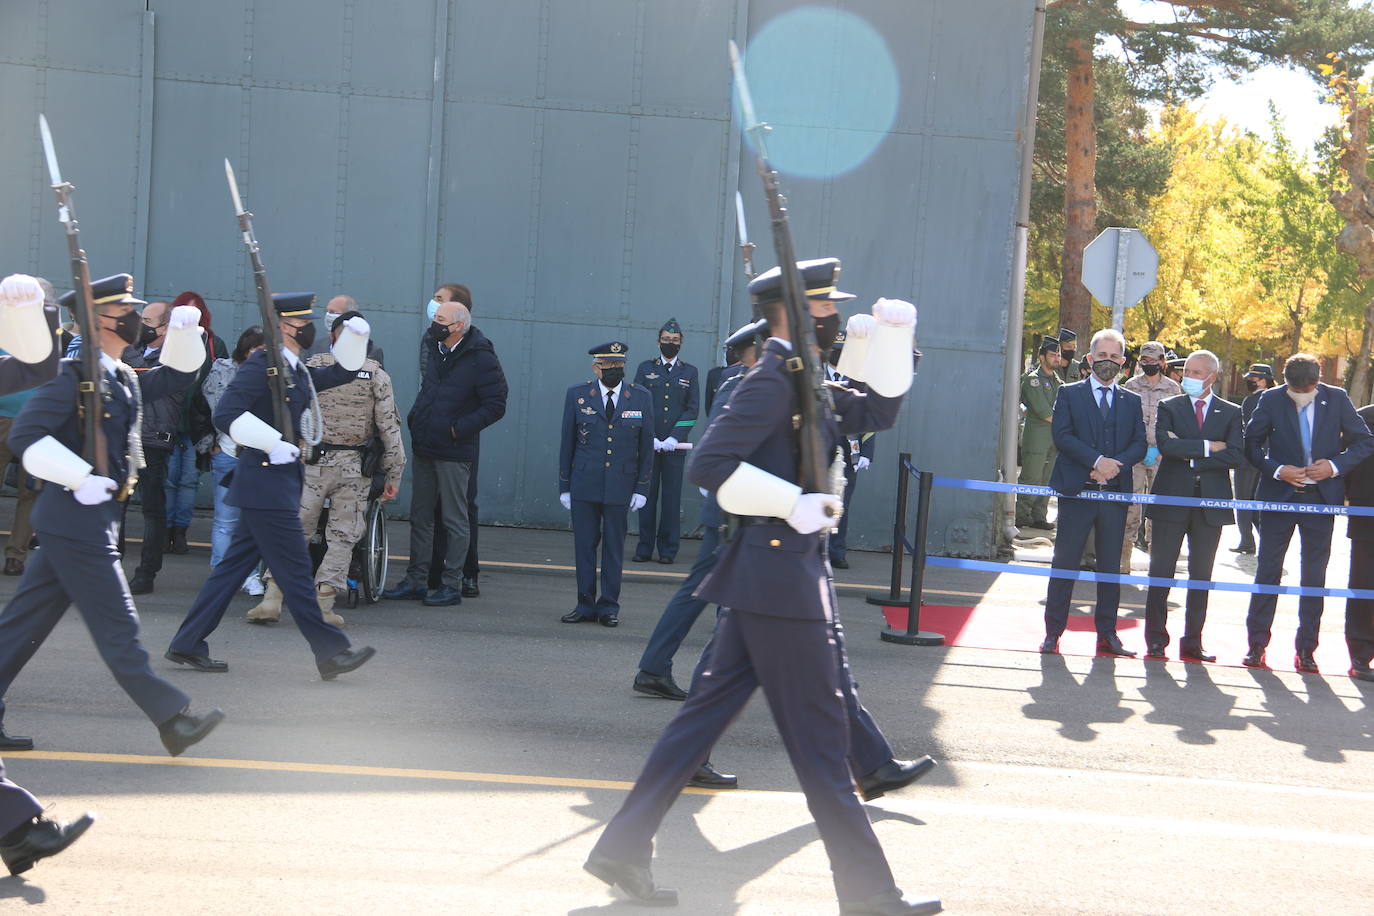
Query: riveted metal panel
x,y
577,171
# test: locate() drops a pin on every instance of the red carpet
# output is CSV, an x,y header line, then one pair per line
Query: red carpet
x,y
1003,628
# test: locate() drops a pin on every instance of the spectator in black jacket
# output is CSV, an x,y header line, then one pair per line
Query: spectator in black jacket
x,y
463,391
161,426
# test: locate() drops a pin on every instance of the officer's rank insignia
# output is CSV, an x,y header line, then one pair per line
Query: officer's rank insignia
x,y
685,382
652,375
581,400
589,411
615,347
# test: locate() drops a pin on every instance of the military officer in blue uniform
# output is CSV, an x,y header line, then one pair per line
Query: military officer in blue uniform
x,y
77,514
266,486
604,464
673,385
858,457
776,631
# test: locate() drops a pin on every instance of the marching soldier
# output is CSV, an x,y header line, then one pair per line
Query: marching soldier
x,y
601,489
858,456
1068,348
266,486
77,517
1039,388
673,385
354,415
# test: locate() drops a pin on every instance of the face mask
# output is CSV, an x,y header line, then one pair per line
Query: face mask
x,y
1302,400
127,327
1252,385
146,336
1150,368
1067,355
826,330
330,319
669,350
1193,387
1106,370
834,358
438,331
610,377
432,309
305,336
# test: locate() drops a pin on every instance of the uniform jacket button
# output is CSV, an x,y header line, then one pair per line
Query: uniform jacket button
x,y
608,464
775,543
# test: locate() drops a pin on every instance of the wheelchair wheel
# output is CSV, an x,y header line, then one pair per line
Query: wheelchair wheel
x,y
375,559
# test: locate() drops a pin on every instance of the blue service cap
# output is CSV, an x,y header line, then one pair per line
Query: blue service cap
x,y
294,305
818,279
115,290
611,349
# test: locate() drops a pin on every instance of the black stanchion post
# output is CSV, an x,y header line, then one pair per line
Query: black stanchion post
x,y
894,595
913,636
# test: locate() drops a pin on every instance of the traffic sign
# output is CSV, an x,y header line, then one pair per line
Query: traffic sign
x,y
1120,267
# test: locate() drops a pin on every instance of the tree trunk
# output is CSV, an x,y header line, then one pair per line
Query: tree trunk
x,y
1080,188
1359,382
1296,314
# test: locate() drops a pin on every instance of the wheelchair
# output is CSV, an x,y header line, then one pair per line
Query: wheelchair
x,y
368,566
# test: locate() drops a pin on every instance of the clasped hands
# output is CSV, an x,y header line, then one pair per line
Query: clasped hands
x,y
1295,476
1106,469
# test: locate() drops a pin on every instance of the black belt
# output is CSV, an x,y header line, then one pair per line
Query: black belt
x,y
333,447
1306,489
746,521
1093,486
159,437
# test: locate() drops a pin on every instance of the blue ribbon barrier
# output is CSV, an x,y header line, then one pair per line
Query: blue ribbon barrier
x,y
1155,499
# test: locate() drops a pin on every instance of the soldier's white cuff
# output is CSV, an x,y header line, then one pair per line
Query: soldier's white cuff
x,y
250,431
183,349
854,357
48,459
351,348
753,491
24,331
888,366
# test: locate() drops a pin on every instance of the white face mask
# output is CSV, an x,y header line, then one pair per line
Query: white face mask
x,y
432,309
330,319
1302,400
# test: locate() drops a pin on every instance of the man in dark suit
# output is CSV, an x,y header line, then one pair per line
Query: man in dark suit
x,y
776,629
1099,430
1259,379
1359,612
1301,436
600,490
1201,438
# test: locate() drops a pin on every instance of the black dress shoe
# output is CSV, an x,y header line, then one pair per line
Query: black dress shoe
x,y
609,620
470,589
198,662
43,838
1195,655
894,775
176,540
404,591
346,661
1155,650
576,617
839,564
141,584
446,596
656,685
891,904
1305,663
1243,548
1050,646
708,777
1254,658
666,561
14,567
14,742
1111,645
182,730
635,881
1361,673
638,559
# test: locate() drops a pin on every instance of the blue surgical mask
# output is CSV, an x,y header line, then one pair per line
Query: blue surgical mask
x,y
431,309
1193,387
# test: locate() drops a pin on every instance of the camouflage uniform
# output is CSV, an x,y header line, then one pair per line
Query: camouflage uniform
x,y
1151,391
353,414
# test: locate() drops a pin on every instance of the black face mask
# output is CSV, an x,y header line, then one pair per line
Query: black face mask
x,y
1067,355
826,330
305,336
669,350
610,377
1252,385
1150,368
437,331
146,336
126,326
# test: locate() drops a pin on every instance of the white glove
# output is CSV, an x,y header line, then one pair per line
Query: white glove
x,y
670,444
566,500
862,463
637,502
813,512
94,490
895,312
183,316
357,325
283,453
20,291
658,445
859,327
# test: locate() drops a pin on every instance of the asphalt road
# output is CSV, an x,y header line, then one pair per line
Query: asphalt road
x,y
469,767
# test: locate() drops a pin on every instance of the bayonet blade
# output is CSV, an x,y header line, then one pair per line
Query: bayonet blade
x,y
739,218
234,188
54,172
746,101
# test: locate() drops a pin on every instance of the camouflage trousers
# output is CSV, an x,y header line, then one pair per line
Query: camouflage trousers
x,y
347,495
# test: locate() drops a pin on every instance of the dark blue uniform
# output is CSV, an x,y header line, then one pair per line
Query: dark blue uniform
x,y
855,447
673,390
775,632
269,528
603,461
78,561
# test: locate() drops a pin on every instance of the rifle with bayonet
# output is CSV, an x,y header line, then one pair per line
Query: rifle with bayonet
x,y
92,388
805,369
746,247
279,381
